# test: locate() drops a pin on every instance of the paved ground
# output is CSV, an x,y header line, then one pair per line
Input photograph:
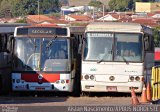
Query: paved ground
x,y
63,101
68,104
49,104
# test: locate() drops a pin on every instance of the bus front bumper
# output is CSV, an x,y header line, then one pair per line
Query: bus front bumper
x,y
92,86
41,87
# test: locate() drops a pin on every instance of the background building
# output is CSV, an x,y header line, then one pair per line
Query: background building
x,y
147,7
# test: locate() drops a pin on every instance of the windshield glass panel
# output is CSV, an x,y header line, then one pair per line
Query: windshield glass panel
x,y
41,54
98,46
56,55
28,54
128,47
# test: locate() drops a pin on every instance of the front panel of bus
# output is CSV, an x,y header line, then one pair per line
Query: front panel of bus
x,y
42,64
112,62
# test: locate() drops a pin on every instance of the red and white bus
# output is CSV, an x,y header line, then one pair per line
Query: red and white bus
x,y
45,59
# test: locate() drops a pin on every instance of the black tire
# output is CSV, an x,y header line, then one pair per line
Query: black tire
x,y
5,82
76,88
88,94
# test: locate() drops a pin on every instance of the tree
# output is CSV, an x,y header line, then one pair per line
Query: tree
x,y
25,7
119,5
95,3
6,8
21,21
28,7
1,1
148,0
156,35
123,5
49,6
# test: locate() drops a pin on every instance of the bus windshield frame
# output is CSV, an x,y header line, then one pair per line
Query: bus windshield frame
x,y
113,47
42,54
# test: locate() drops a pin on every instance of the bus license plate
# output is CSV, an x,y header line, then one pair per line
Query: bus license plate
x,y
40,88
111,88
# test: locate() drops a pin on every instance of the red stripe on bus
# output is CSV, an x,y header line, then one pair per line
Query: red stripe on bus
x,y
157,56
35,77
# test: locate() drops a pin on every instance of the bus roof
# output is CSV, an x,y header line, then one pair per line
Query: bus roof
x,y
41,31
114,27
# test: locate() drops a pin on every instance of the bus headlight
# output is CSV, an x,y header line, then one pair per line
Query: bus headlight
x,y
137,78
57,82
86,77
92,77
131,78
62,81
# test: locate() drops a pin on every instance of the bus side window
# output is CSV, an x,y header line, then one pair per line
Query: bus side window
x,y
3,42
0,43
146,43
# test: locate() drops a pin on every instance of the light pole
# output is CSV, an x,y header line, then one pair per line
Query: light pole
x,y
38,10
93,13
103,12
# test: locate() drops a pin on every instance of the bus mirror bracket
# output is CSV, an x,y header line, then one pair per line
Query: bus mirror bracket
x,y
9,44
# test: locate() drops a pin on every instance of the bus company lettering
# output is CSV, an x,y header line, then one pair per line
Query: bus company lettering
x,y
93,69
42,31
130,71
101,35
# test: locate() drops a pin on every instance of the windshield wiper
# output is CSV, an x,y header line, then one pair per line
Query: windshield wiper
x,y
124,59
102,59
106,54
99,61
50,42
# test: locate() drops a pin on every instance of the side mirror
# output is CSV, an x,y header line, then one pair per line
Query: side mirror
x,y
80,45
10,44
80,48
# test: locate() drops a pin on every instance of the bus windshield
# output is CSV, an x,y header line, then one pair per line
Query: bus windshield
x,y
128,47
41,54
98,46
122,47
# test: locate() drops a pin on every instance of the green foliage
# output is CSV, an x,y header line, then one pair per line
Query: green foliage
x,y
119,5
95,3
123,5
50,5
147,0
55,14
5,8
21,21
156,34
27,7
79,24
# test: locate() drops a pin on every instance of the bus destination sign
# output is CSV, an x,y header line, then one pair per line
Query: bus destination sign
x,y
42,31
45,31
100,34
